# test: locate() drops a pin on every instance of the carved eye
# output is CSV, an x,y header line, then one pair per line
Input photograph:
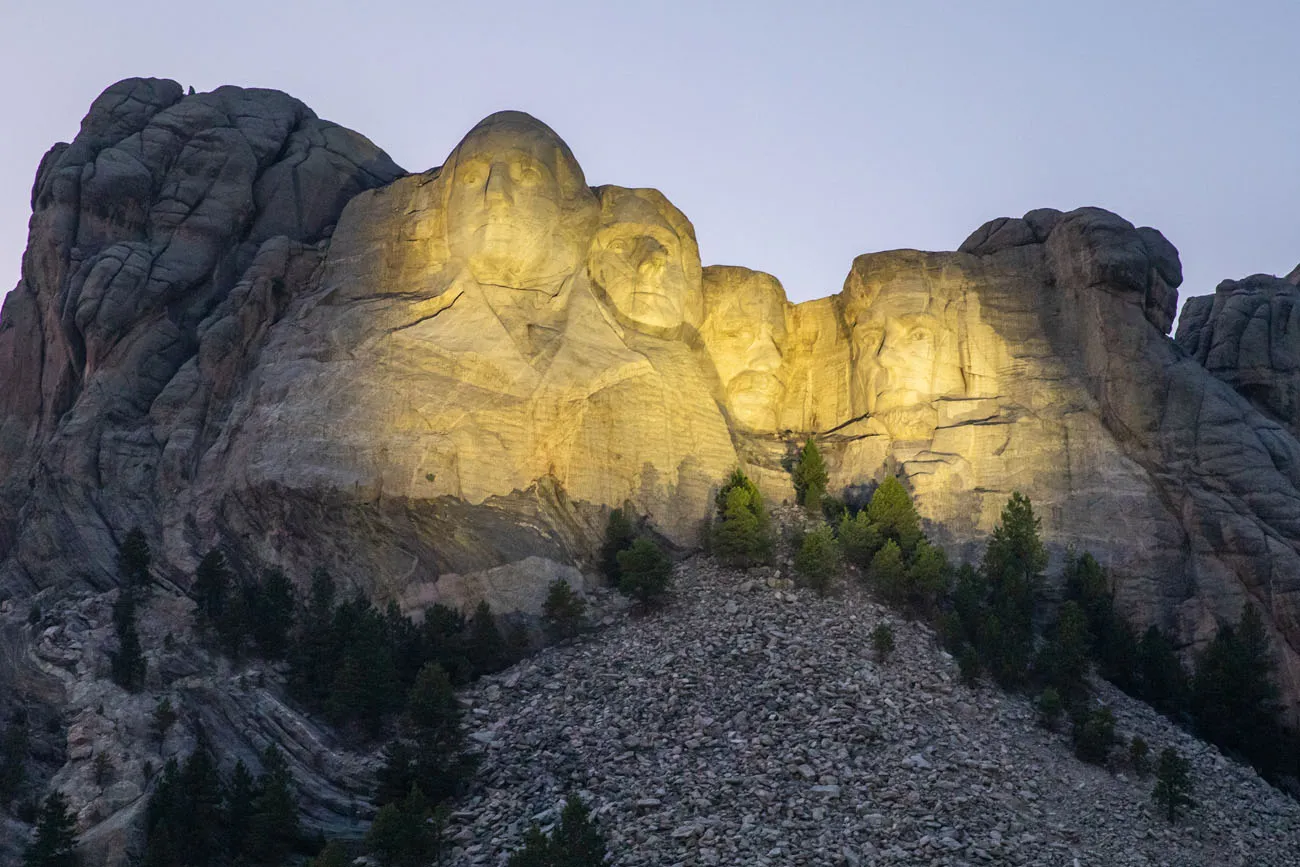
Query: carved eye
x,y
619,246
919,334
473,176
525,175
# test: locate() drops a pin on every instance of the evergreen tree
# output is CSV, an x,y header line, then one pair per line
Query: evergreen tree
x,y
273,822
211,586
271,614
574,842
892,513
406,833
1063,662
13,757
563,611
444,635
1050,708
1114,645
1162,680
888,574
433,722
1234,698
164,717
882,641
1013,566
133,560
239,794
742,536
487,647
619,536
333,855
1173,790
398,773
859,539
647,571
184,818
1093,734
54,843
818,559
1139,756
314,655
927,578
810,476
127,663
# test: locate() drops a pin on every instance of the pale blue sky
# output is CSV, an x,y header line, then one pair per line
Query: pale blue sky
x,y
795,135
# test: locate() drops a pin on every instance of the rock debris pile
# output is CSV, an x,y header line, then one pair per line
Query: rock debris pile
x,y
751,724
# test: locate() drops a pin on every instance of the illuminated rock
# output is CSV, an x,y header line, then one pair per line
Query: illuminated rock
x,y
438,385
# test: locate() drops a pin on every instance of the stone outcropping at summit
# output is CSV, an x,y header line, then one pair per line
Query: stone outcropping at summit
x,y
241,326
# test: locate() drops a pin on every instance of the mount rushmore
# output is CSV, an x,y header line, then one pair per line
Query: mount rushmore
x,y
239,325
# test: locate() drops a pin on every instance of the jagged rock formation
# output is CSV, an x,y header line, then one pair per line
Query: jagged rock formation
x,y
241,326
1248,334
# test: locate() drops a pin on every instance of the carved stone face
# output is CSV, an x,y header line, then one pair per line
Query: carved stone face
x,y
744,330
518,211
905,331
645,261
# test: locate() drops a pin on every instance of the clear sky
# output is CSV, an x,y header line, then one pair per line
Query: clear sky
x,y
795,135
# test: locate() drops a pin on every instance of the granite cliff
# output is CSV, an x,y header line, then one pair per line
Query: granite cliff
x,y
241,326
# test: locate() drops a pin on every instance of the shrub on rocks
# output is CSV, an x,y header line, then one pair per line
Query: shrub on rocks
x,y
818,559
742,535
619,536
810,476
882,641
647,571
575,842
563,611
1093,734
1173,790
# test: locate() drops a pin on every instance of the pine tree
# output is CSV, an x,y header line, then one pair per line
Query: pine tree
x,y
313,657
619,536
892,513
13,757
127,663
211,585
433,722
1173,790
273,823
927,578
237,811
888,574
55,841
1162,680
742,535
405,834
574,842
271,614
859,539
882,641
333,855
1234,698
810,476
563,611
133,559
1013,566
1093,734
1063,661
818,559
164,717
487,647
647,571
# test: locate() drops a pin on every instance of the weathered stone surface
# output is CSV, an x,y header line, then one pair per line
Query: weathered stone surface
x,y
1248,334
241,326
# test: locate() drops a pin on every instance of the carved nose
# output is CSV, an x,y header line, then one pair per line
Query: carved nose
x,y
499,188
763,353
650,256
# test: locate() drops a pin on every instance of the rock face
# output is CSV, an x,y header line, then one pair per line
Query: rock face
x,y
241,326
1248,334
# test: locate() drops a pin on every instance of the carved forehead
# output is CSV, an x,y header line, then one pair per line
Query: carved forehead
x,y
731,293
513,133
